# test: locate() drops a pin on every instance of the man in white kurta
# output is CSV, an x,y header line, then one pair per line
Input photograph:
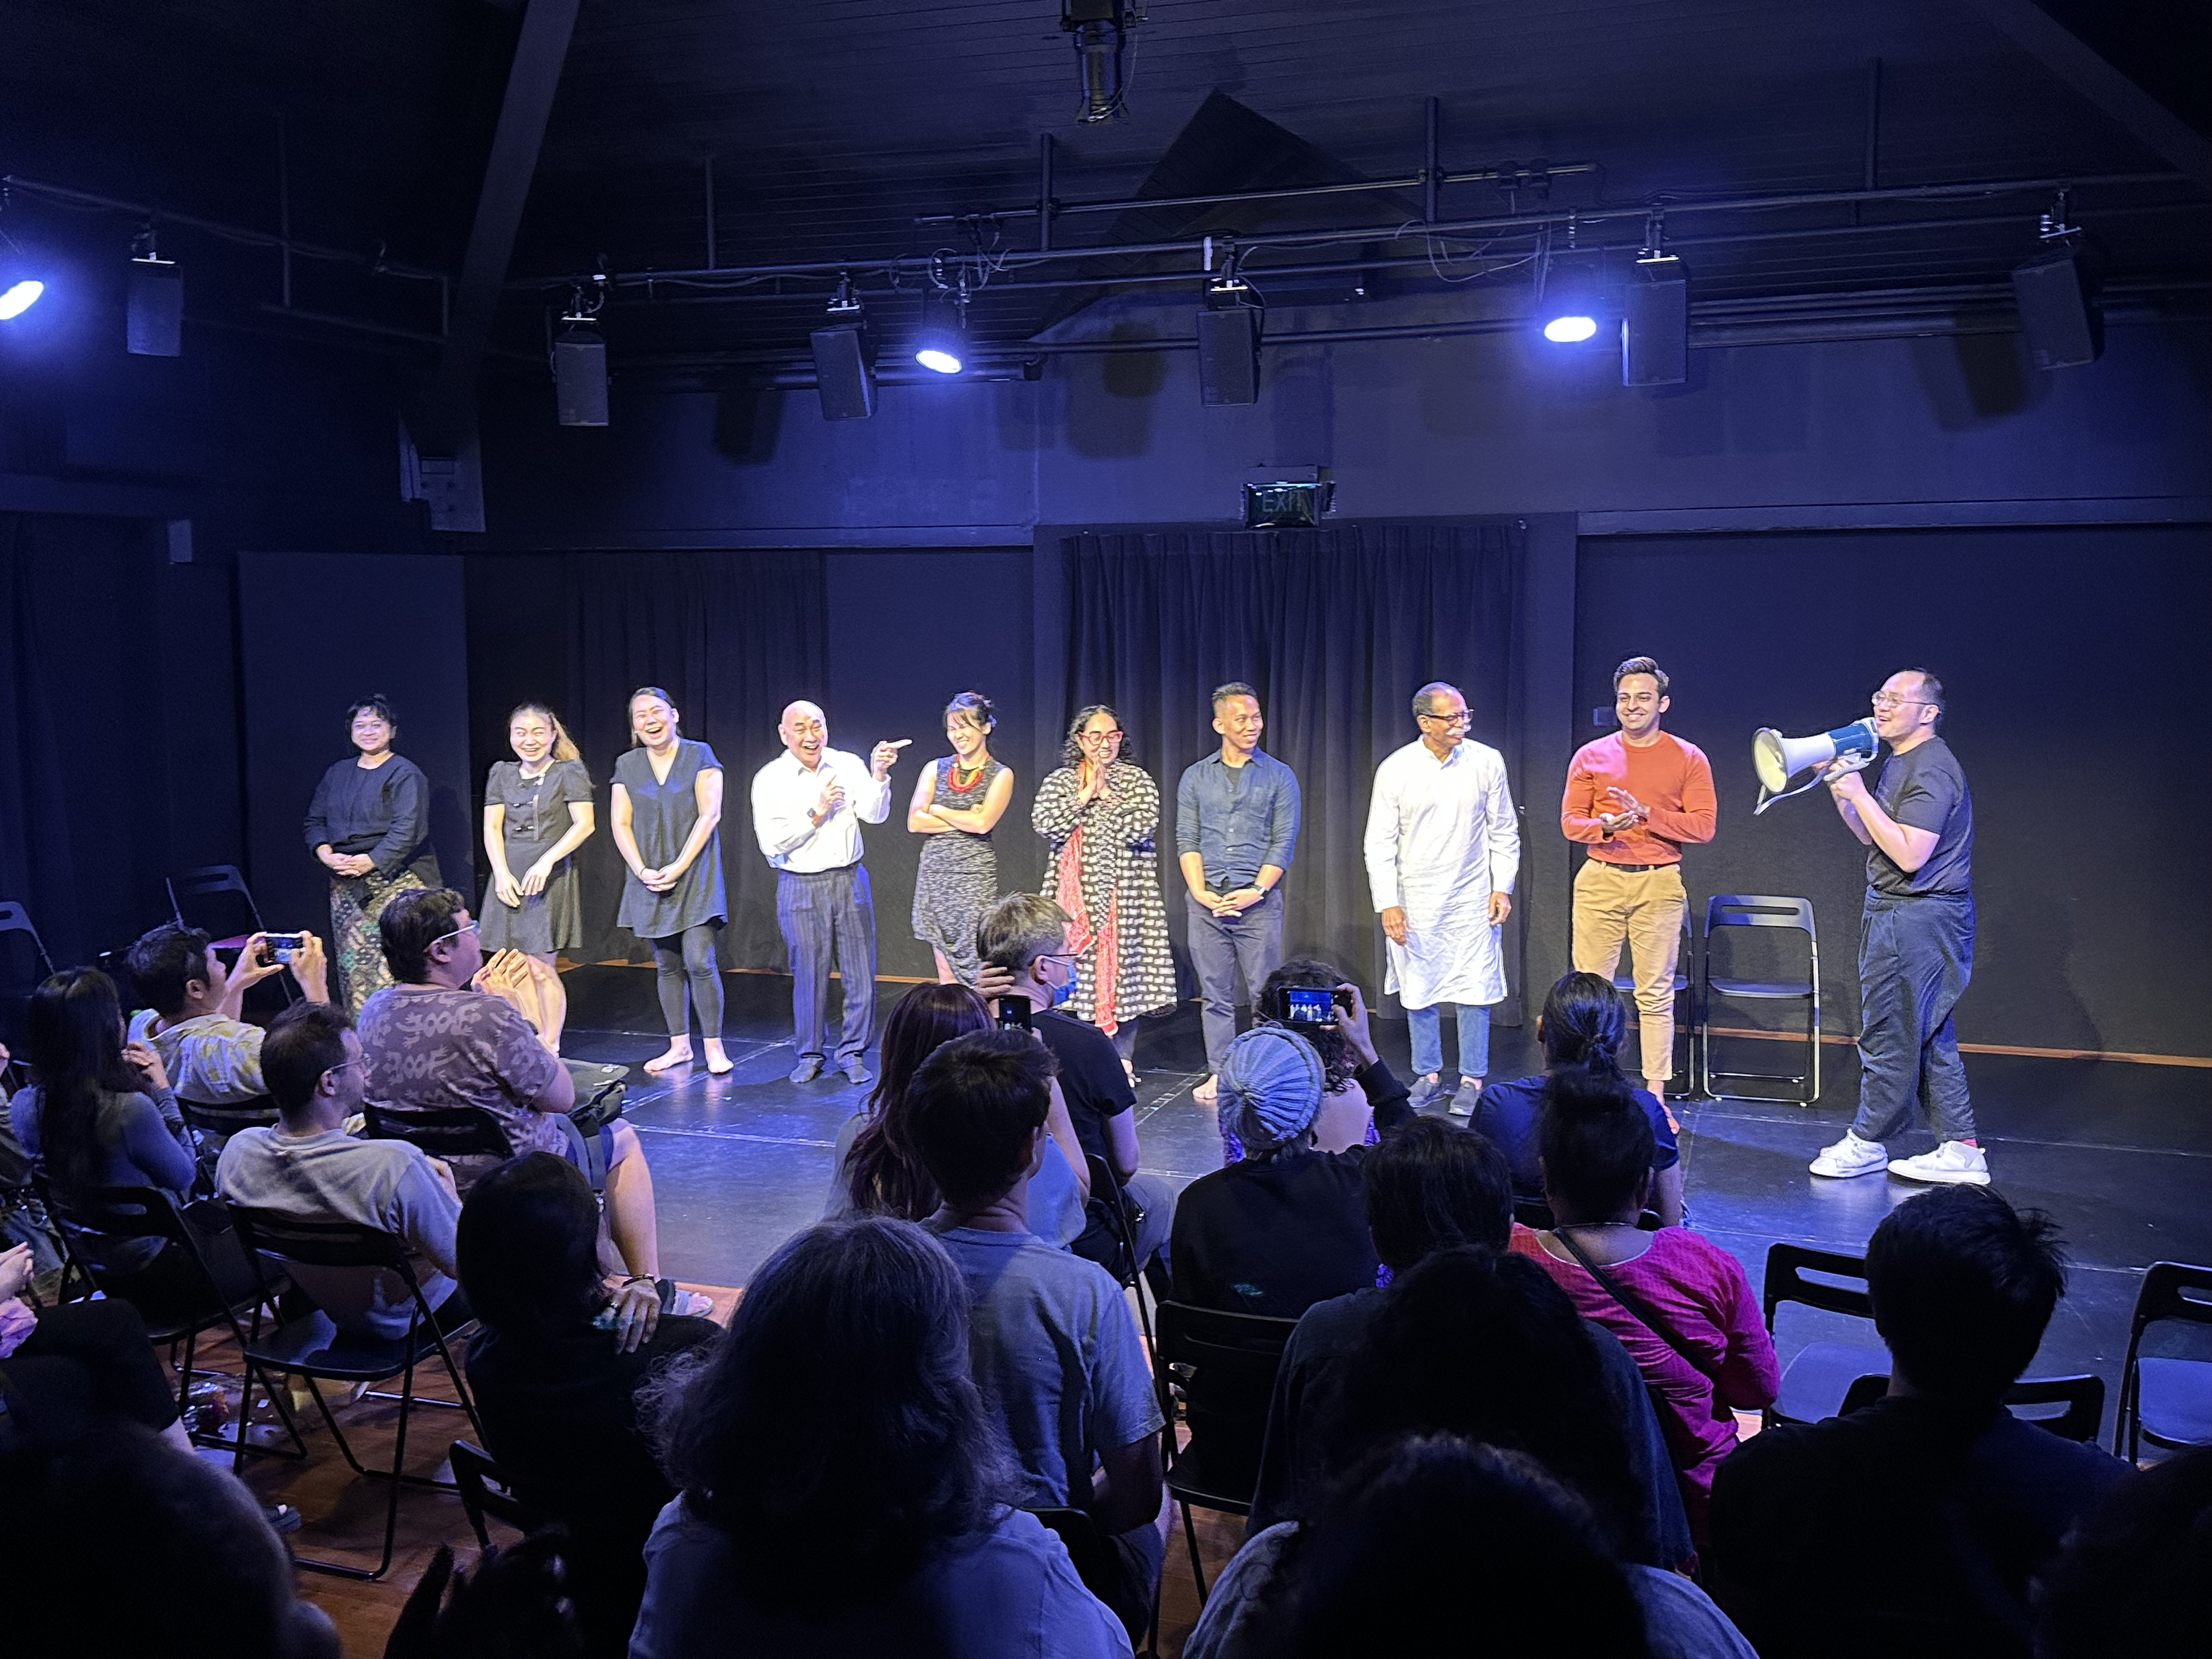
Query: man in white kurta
x,y
1443,852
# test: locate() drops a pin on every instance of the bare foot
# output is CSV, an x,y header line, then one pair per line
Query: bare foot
x,y
679,1053
719,1064
1206,1094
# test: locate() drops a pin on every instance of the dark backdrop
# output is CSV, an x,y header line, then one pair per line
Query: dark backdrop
x,y
2073,659
1335,629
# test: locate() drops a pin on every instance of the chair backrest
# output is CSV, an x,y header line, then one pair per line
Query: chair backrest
x,y
136,1213
485,1491
258,1112
442,1132
2081,1400
1786,1267
322,1242
216,898
23,963
1238,1353
1106,1192
1758,910
2166,1294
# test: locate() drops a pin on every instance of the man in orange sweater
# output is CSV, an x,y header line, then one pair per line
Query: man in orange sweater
x,y
1634,798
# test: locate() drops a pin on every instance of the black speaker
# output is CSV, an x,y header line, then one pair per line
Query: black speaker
x,y
844,372
1655,326
1228,355
580,378
153,315
2058,311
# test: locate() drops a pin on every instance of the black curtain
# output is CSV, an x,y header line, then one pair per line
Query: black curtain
x,y
1335,629
732,636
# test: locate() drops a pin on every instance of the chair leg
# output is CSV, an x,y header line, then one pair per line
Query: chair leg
x,y
185,1373
1190,1536
337,1434
398,1474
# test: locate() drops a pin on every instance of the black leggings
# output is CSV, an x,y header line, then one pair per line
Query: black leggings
x,y
87,1359
686,960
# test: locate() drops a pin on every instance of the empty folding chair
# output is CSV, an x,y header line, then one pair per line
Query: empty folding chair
x,y
2165,1399
1727,910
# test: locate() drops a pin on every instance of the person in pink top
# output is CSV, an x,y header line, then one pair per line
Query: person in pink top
x,y
1634,798
1678,1303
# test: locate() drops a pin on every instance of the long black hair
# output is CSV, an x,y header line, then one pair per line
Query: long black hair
x,y
883,1173
1596,1143
834,1431
75,1030
527,1243
1584,1025
1481,1343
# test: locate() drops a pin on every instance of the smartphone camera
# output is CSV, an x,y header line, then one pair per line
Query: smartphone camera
x,y
1303,1004
1013,1013
280,947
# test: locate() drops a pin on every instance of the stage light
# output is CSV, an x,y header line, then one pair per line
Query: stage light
x,y
1101,29
580,360
20,297
845,358
1571,328
154,311
942,344
1570,299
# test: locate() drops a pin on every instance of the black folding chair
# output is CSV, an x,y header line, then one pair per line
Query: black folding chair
x,y
213,1126
452,1132
485,1491
2166,1400
216,898
2080,1400
313,1348
1231,1359
1107,1192
89,1218
1818,1381
23,964
1725,911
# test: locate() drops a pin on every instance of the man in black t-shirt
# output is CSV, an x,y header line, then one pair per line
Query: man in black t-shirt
x,y
1916,940
1025,937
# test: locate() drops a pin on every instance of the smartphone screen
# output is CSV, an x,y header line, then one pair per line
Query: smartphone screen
x,y
1013,1013
1308,1004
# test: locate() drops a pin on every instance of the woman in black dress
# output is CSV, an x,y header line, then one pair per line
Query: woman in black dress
x,y
538,810
369,824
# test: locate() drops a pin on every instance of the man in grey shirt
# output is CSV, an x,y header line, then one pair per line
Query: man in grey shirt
x,y
1916,941
1055,1351
1236,827
308,1167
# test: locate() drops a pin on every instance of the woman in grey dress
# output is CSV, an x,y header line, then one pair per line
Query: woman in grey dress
x,y
957,804
369,825
666,812
538,810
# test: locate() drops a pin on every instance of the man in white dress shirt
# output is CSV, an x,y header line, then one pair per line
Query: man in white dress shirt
x,y
808,805
1443,851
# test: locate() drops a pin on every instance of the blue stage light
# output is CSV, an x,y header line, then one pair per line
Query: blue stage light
x,y
941,344
1570,330
936,356
21,297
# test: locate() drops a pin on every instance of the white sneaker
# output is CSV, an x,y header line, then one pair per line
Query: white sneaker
x,y
1954,1162
1851,1157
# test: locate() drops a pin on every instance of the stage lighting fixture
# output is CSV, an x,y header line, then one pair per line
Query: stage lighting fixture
x,y
845,358
1100,30
1654,323
580,360
1569,292
19,295
942,344
153,313
2056,293
1229,341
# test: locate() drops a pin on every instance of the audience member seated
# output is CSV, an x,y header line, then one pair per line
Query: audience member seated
x,y
844,1491
1679,1303
1582,1026
434,1043
2135,1578
555,1367
65,1369
1432,1186
1358,1093
1056,1351
1964,1502
1439,1533
1026,937
878,1171
308,1168
1283,1227
103,1114
134,1547
213,1056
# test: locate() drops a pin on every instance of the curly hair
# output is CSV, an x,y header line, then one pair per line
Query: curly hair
x,y
1071,751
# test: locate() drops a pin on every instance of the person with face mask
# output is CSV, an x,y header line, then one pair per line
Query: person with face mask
x,y
1026,938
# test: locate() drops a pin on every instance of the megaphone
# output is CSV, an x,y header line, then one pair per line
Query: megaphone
x,y
1776,759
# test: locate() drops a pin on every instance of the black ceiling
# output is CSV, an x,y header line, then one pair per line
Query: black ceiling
x,y
832,125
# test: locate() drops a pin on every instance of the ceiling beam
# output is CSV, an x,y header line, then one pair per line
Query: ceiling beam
x,y
2067,56
448,417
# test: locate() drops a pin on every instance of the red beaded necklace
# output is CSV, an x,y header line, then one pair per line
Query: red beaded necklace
x,y
953,781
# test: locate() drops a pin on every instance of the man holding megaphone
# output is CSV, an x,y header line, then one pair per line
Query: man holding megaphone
x,y
1916,938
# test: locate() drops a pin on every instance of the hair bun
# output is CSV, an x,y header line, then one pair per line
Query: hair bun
x,y
1585,1091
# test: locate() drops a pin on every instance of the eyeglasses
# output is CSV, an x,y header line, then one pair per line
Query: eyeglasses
x,y
1114,736
1888,699
332,1070
465,928
1460,720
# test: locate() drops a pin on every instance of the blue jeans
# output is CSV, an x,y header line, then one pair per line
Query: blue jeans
x,y
824,913
1473,1022
1916,955
1220,945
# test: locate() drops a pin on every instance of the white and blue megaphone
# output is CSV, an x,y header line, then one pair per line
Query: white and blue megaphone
x,y
1776,759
